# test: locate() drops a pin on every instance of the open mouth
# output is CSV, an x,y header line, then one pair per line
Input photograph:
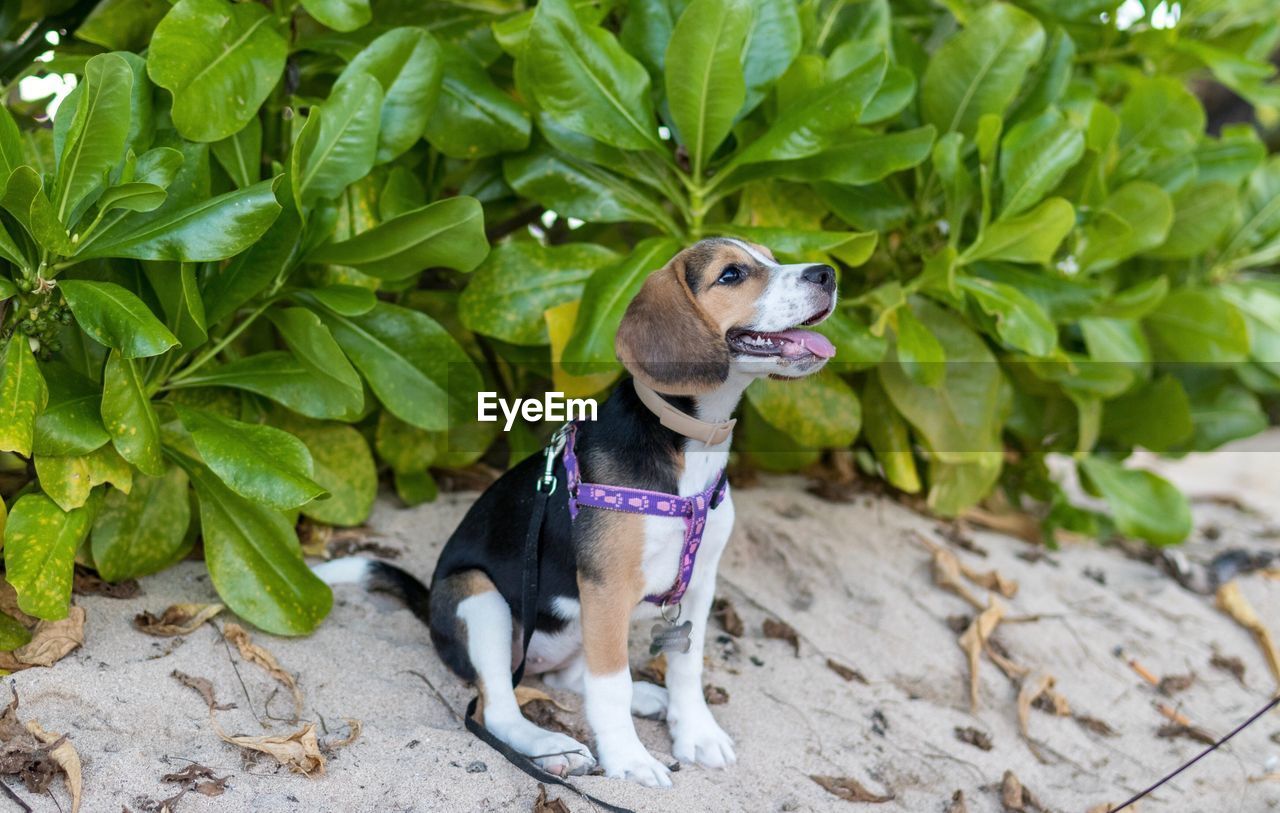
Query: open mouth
x,y
790,345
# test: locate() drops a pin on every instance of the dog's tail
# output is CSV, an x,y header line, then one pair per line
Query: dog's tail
x,y
375,574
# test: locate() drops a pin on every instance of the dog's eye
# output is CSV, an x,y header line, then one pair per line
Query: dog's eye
x,y
731,274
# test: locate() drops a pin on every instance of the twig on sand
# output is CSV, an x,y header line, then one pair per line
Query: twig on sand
x,y
247,699
448,706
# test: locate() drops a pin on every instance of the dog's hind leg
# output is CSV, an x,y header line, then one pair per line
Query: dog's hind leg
x,y
482,632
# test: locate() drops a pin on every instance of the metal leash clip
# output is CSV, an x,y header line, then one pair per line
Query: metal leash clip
x,y
547,483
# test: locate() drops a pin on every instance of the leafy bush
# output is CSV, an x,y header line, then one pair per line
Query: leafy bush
x,y
249,254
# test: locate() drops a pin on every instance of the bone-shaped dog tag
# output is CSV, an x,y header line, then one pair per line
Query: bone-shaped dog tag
x,y
668,637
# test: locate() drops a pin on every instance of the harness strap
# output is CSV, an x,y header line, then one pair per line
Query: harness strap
x,y
543,490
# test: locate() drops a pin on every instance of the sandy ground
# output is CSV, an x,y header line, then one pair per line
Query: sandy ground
x,y
849,577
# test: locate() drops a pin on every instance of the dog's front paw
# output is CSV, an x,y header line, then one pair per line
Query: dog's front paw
x,y
560,755
703,741
635,763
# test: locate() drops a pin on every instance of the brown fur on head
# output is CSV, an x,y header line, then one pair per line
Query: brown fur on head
x,y
676,334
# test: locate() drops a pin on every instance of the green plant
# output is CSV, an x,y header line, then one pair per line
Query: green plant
x,y
250,252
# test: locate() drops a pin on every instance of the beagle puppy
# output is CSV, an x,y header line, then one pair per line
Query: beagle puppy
x,y
719,315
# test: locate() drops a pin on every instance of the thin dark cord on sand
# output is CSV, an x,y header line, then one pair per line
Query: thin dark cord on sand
x,y
247,699
436,692
8,791
1275,701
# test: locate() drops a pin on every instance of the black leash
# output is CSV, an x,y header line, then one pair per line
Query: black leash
x,y
1206,752
543,489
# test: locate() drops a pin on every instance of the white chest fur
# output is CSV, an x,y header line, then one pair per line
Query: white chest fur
x,y
664,536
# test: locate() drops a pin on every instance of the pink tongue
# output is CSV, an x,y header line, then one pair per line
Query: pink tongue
x,y
797,341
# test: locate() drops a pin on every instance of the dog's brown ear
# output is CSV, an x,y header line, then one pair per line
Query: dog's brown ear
x,y
667,341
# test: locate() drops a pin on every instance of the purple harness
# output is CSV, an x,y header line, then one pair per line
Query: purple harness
x,y
652,503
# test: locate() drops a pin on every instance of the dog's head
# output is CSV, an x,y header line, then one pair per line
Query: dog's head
x,y
723,305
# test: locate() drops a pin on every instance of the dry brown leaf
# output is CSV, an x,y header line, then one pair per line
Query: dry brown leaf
x,y
299,751
947,574
354,729
64,754
254,653
51,641
1228,663
849,789
846,672
1101,727
715,695
204,687
974,737
782,631
1231,600
527,694
1174,730
974,640
724,612
544,805
1015,797
179,619
1021,525
991,580
957,804
1031,688
1172,684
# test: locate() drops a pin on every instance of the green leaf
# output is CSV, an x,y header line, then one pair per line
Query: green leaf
x,y
11,153
857,346
128,416
257,462
1199,326
286,380
1158,117
572,187
122,25
474,118
605,297
220,60
24,198
1020,322
979,70
1256,239
1143,504
417,370
176,287
40,542
704,75
1201,215
210,229
1034,157
818,411
1032,237
271,257
343,466
240,154
1133,219
407,64
345,144
115,317
107,466
255,562
348,300
23,396
405,448
340,15
71,423
863,159
960,419
888,435
313,345
819,120
12,633
773,42
96,139
1156,416
65,480
582,77
507,296
447,233
1223,414
1136,301
918,350
144,531
132,197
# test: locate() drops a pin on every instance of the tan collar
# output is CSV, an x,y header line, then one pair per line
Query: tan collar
x,y
683,423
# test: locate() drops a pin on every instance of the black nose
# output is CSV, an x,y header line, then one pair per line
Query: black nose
x,y
823,275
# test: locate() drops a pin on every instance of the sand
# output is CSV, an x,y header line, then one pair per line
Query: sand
x,y
854,583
